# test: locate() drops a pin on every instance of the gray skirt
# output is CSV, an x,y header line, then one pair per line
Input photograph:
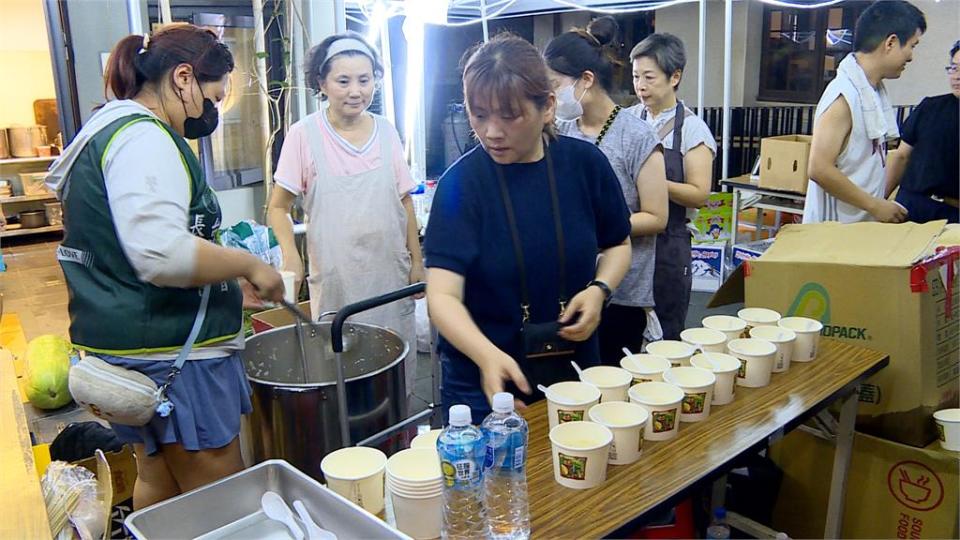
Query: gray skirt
x,y
209,397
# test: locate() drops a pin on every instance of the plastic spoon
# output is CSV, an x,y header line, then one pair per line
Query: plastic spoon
x,y
577,367
552,396
276,509
626,351
314,531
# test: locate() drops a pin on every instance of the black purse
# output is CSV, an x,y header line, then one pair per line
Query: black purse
x,y
540,340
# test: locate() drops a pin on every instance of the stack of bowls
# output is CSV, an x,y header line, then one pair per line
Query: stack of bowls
x,y
414,481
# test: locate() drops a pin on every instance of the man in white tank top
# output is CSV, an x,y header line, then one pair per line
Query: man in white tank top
x,y
854,120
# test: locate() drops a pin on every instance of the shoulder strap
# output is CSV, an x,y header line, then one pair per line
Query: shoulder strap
x,y
165,407
515,234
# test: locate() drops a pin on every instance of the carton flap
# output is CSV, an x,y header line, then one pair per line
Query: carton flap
x,y
854,244
731,292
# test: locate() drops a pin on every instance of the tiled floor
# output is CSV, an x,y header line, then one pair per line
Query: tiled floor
x,y
33,287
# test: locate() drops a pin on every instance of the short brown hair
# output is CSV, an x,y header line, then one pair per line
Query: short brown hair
x,y
509,69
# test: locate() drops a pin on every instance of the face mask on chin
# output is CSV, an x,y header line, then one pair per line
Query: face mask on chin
x,y
568,105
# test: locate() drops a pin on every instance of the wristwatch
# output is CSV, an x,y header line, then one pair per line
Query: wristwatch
x,y
607,291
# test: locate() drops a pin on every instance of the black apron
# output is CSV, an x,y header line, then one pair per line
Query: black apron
x,y
672,279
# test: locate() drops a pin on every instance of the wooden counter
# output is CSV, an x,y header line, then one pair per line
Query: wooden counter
x,y
22,513
701,450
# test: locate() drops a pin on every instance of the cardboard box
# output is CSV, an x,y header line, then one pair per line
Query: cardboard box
x,y
707,266
893,490
277,317
783,162
874,285
748,251
123,472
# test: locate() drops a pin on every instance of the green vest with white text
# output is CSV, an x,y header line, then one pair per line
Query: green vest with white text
x,y
111,310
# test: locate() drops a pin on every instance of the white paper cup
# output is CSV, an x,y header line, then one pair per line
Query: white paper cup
x,y
645,367
289,279
426,440
697,385
613,382
415,467
725,367
808,337
356,473
677,352
414,491
948,428
569,401
732,327
783,339
756,361
705,339
420,518
580,454
662,400
626,421
756,316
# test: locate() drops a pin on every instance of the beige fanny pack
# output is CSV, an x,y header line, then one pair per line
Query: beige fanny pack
x,y
124,396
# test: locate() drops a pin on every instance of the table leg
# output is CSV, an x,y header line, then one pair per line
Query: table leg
x,y
718,495
841,466
736,216
759,226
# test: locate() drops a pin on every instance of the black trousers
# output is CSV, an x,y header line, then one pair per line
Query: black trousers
x,y
620,326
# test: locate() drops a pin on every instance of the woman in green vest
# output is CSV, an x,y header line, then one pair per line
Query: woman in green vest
x,y
139,244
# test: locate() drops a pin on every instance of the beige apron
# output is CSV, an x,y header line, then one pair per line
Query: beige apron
x,y
356,241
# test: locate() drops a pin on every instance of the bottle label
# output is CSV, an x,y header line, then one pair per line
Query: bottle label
x,y
460,473
519,456
489,457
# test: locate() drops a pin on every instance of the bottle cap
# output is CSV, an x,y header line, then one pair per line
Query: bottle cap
x,y
503,402
460,415
720,513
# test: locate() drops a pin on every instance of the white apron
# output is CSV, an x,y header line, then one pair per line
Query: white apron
x,y
356,241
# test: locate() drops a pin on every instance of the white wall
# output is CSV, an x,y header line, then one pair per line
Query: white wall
x,y
923,77
24,61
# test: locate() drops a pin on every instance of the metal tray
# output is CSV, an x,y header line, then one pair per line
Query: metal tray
x,y
218,507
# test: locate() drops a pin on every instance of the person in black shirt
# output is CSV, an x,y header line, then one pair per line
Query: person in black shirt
x,y
560,192
926,166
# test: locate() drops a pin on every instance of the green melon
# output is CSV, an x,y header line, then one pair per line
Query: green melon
x,y
47,370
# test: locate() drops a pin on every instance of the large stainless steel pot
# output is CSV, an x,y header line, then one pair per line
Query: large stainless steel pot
x,y
295,414
24,140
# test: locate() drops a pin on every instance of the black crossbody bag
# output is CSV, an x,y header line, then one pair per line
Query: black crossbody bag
x,y
540,340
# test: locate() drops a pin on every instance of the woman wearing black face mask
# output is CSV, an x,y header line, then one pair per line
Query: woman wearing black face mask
x,y
140,222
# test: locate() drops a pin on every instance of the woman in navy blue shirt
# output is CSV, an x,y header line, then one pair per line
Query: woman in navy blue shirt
x,y
474,285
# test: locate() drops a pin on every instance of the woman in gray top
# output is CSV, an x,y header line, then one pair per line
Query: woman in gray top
x,y
582,73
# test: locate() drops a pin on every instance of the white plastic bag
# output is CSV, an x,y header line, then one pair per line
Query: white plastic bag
x,y
423,326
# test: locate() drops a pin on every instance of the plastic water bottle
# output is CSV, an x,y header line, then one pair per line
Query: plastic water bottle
x,y
505,475
462,448
718,525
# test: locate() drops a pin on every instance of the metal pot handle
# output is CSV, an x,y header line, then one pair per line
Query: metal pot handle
x,y
336,339
336,329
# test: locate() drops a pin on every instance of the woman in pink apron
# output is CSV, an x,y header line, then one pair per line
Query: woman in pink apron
x,y
347,165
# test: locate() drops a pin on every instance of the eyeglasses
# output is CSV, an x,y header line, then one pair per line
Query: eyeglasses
x,y
952,68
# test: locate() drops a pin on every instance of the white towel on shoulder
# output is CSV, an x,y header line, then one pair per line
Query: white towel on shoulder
x,y
878,114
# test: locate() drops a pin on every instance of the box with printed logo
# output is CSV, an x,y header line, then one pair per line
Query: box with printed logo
x,y
707,266
881,286
893,491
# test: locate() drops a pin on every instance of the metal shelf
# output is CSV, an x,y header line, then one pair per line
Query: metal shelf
x,y
25,232
13,161
28,198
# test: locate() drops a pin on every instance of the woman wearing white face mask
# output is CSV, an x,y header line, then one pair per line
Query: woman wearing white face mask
x,y
348,166
582,73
